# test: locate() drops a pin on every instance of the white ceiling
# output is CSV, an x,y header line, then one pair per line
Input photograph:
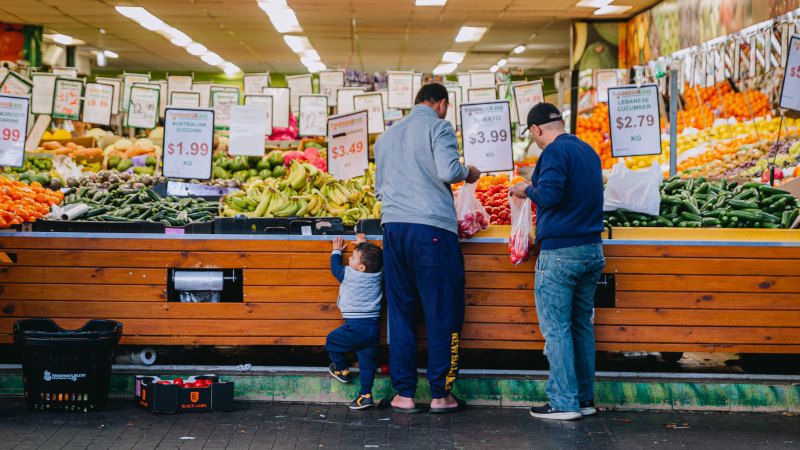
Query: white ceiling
x,y
389,34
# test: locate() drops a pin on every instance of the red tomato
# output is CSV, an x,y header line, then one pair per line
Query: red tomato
x,y
163,382
504,215
178,381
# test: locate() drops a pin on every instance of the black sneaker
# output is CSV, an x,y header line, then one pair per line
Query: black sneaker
x,y
587,408
342,375
362,402
548,412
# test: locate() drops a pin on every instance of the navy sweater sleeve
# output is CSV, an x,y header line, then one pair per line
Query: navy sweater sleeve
x,y
337,269
547,189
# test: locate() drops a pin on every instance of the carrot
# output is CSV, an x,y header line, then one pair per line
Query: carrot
x,y
51,145
137,151
63,151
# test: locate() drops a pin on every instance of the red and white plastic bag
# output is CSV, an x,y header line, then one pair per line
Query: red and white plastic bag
x,y
520,243
472,217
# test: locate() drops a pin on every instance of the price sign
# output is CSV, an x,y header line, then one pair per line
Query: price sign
x,y
15,84
604,79
348,144
143,107
373,103
222,101
329,82
634,120
184,99
44,86
97,103
344,102
481,79
527,96
453,103
503,93
204,89
280,108
313,115
247,130
188,143
400,90
265,101
299,85
486,130
66,72
790,91
117,83
13,126
482,94
178,83
67,99
416,85
163,87
254,83
128,80
465,80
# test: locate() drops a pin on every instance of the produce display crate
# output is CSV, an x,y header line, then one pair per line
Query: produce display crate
x,y
192,228
281,225
370,227
155,397
318,226
84,226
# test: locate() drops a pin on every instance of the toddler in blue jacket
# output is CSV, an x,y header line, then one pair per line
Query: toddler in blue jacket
x,y
359,301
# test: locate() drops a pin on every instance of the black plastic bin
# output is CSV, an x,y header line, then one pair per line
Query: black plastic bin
x,y
66,370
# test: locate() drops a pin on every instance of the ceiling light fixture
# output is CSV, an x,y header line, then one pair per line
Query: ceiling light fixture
x,y
110,54
494,68
593,3
311,54
519,49
470,34
611,9
212,59
196,49
298,44
230,69
453,57
430,2
63,39
281,15
314,66
445,68
502,62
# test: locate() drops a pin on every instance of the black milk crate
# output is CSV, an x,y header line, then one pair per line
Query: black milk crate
x,y
192,228
86,226
248,225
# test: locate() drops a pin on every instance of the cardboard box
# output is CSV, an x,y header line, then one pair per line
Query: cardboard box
x,y
158,397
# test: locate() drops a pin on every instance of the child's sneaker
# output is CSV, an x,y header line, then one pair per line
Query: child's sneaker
x,y
342,375
363,401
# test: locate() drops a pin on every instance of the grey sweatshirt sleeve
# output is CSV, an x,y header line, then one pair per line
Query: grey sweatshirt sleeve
x,y
446,154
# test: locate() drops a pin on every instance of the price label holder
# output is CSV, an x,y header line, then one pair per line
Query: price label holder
x,y
254,83
348,145
143,107
453,102
97,103
634,120
604,79
481,79
299,85
15,84
13,127
373,103
485,94
222,101
184,99
188,143
329,82
117,83
464,80
790,91
313,115
486,131
204,89
128,81
181,189
416,85
66,72
400,90
527,96
178,83
267,102
280,110
67,98
44,87
344,99
247,130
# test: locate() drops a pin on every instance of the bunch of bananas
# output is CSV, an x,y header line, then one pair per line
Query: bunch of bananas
x,y
306,192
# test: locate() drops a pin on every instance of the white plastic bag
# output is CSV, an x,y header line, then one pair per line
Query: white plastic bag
x,y
472,216
634,190
520,243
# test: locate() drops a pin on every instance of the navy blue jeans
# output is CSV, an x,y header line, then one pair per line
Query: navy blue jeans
x,y
423,267
361,336
566,279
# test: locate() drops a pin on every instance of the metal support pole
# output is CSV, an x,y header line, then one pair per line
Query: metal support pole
x,y
673,122
573,102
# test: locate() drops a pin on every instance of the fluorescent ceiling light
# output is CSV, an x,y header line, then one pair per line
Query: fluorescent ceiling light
x,y
101,59
282,17
611,9
494,68
311,54
196,49
445,68
593,3
502,62
143,17
315,66
63,39
453,57
298,44
211,58
519,49
177,37
230,69
110,54
430,2
470,34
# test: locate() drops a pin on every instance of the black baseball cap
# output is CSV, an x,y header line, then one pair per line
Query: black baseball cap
x,y
543,113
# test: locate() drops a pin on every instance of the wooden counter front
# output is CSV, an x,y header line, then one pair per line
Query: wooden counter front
x,y
670,296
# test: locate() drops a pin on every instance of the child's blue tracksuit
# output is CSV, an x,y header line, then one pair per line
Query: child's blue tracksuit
x,y
359,300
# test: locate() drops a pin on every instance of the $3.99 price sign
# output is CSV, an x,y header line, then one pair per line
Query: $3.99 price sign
x,y
634,120
486,130
790,93
13,126
188,143
348,143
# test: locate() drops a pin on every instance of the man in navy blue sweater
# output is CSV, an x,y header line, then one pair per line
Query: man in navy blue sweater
x,y
567,188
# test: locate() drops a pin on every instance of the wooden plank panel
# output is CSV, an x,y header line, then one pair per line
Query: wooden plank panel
x,y
707,300
499,280
86,275
691,251
710,283
296,294
225,245
496,263
697,317
81,292
701,266
499,297
698,335
100,258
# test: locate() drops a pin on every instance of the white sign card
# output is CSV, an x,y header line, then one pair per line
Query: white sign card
x,y
389,114
527,96
464,80
128,80
97,103
417,85
329,82
254,83
313,115
482,94
66,72
117,83
15,84
162,94
44,87
604,79
400,90
184,99
486,132
454,103
13,128
481,79
204,89
67,99
143,107
790,91
634,120
344,102
503,93
373,103
299,85
178,83
248,130
266,102
222,101
188,143
280,106
452,106
348,145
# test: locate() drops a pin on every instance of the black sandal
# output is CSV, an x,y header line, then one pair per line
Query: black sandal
x,y
386,403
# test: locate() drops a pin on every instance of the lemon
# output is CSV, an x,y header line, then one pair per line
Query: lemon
x,y
62,134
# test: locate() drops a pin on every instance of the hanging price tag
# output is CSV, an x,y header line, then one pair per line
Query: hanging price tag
x,y
265,101
15,84
143,107
486,131
527,96
329,82
222,101
188,143
299,85
117,83
13,126
247,130
254,83
280,109
66,72
482,94
97,103
481,79
790,91
178,83
603,79
634,120
184,99
128,80
204,89
313,115
453,102
373,103
345,103
348,145
400,90
67,99
416,85
44,86
464,80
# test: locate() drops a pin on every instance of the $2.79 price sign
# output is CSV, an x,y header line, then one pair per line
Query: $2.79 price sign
x,y
790,93
188,143
486,127
634,120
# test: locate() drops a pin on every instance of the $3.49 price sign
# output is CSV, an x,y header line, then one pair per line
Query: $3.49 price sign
x,y
634,120
341,151
790,93
188,143
348,143
486,130
13,126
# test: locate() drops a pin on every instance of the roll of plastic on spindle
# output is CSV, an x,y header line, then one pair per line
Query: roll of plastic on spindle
x,y
204,280
144,356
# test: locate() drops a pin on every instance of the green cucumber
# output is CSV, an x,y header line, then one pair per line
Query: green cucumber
x,y
691,217
740,204
690,207
710,221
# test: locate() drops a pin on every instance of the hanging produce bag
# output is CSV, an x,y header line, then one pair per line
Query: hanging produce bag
x,y
472,217
520,243
634,190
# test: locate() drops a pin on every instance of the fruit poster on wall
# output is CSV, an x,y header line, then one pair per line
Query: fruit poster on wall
x,y
12,42
596,45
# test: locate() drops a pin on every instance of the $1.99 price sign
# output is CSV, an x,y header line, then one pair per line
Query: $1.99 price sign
x,y
348,143
634,120
486,130
13,125
790,93
188,143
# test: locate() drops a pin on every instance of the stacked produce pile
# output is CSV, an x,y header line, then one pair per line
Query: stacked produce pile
x,y
594,130
21,202
140,157
232,171
492,192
